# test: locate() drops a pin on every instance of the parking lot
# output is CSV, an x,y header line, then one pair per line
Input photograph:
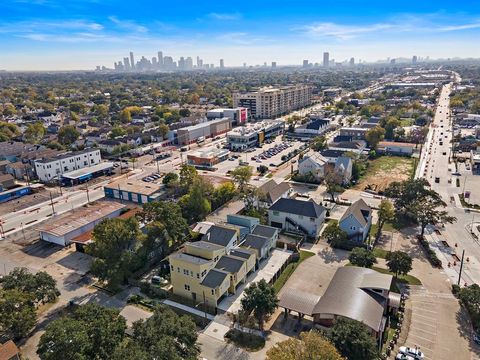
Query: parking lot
x,y
258,156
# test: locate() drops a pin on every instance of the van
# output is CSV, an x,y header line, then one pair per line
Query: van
x,y
184,148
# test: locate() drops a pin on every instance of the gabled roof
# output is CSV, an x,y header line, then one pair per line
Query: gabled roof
x,y
219,235
214,278
274,191
360,210
229,263
343,162
242,253
348,296
264,230
255,241
298,207
299,301
317,159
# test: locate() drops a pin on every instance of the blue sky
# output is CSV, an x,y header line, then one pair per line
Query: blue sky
x,y
79,34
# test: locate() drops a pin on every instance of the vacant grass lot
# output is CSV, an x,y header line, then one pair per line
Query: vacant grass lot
x,y
384,170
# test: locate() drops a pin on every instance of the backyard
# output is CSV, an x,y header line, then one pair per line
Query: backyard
x,y
384,170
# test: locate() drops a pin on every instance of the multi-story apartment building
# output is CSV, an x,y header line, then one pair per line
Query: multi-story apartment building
x,y
270,102
251,135
48,169
206,271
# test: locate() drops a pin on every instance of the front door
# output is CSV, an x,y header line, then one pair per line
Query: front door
x,y
194,296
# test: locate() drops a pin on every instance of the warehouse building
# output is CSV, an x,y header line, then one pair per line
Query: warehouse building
x,y
62,229
133,190
207,158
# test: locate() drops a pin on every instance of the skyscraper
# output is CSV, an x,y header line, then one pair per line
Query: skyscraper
x,y
326,59
126,63
132,60
189,63
222,64
305,63
160,59
274,64
414,59
154,62
352,61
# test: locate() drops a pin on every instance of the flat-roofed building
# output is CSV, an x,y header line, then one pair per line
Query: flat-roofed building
x,y
207,158
238,116
62,229
270,102
206,129
251,135
133,190
49,169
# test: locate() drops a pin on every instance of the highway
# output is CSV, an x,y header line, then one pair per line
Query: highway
x,y
437,166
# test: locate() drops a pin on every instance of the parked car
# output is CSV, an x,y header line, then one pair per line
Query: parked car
x,y
403,357
413,352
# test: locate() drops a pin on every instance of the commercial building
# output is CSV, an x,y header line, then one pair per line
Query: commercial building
x,y
270,102
254,134
313,128
62,229
207,158
49,169
356,133
133,190
326,59
396,148
82,175
238,115
207,129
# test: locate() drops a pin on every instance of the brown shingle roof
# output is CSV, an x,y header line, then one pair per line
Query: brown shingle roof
x,y
8,350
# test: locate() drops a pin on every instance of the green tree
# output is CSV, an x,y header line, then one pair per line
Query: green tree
x,y
41,286
386,212
196,204
374,136
261,299
184,112
353,340
333,180
8,131
64,339
188,174
68,134
310,346
469,296
17,313
318,143
78,107
163,130
164,335
35,132
9,110
170,179
242,175
91,332
166,226
362,257
415,200
117,131
399,262
334,235
113,250
223,194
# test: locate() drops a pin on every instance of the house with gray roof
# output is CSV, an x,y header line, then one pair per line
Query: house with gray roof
x,y
272,191
356,221
222,235
269,232
260,244
299,216
344,167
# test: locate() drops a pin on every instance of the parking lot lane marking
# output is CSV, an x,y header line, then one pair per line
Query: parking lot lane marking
x,y
416,328
421,322
422,339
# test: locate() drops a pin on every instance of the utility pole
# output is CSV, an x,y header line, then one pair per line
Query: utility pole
x,y
88,197
158,168
51,203
461,268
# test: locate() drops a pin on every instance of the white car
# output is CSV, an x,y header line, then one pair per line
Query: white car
x,y
415,353
403,357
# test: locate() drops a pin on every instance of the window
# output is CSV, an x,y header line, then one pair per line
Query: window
x,y
300,216
187,287
171,267
275,213
312,219
353,228
213,292
198,276
185,272
178,269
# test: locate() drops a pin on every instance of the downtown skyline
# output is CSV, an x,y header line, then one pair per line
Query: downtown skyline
x,y
82,34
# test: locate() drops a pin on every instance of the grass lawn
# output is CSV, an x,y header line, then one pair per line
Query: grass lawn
x,y
409,279
380,253
389,163
282,279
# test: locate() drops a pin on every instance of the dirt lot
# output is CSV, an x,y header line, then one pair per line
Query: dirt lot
x,y
385,170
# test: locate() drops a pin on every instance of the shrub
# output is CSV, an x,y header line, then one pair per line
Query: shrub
x,y
455,289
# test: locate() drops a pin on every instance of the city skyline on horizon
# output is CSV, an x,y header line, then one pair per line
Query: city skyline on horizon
x,y
82,34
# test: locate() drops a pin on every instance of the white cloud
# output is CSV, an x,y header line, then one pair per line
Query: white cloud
x,y
224,16
128,25
342,32
460,27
